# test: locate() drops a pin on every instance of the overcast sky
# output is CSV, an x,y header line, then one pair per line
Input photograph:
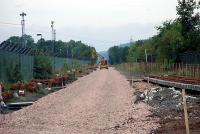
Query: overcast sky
x,y
99,23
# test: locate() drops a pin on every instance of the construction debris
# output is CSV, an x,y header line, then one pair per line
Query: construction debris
x,y
167,104
164,98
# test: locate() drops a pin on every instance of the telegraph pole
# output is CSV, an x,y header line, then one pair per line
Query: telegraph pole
x,y
131,40
52,30
146,55
40,36
22,38
53,36
23,28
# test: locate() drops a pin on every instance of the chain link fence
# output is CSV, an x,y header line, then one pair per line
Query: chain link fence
x,y
12,64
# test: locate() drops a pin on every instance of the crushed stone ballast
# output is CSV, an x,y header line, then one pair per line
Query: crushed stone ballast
x,y
173,84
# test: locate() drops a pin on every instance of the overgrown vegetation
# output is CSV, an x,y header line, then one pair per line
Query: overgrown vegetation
x,y
42,67
75,64
13,72
41,50
71,49
117,54
174,37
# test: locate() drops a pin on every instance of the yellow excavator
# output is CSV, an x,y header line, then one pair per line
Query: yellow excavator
x,y
103,64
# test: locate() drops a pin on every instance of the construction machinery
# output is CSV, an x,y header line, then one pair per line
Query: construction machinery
x,y
103,64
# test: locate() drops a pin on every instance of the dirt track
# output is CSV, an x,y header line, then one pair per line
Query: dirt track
x,y
101,102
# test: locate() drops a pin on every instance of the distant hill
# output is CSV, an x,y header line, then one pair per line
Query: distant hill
x,y
127,44
104,54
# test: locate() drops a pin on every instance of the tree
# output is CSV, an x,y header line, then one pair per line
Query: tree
x,y
190,22
170,41
77,49
13,72
117,54
42,67
136,53
16,40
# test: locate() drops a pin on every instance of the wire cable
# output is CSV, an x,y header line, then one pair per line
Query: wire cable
x,y
8,23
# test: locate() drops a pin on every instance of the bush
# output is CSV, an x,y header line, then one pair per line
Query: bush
x,y
13,72
42,67
76,64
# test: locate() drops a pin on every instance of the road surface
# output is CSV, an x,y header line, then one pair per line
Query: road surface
x,y
99,103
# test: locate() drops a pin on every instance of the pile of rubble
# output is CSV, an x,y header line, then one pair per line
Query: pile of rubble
x,y
167,106
165,99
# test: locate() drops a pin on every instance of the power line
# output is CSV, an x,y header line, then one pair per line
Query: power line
x,y
8,23
75,36
54,33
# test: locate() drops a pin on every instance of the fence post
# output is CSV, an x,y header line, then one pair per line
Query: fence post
x,y
198,71
132,81
185,112
148,90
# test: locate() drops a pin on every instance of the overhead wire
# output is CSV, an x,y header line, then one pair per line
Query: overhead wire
x,y
8,23
91,40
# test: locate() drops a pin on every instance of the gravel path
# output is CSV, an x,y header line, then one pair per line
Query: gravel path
x,y
101,102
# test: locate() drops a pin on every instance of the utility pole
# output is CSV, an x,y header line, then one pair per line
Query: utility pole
x,y
52,30
146,55
23,28
71,56
40,43
40,36
131,40
53,35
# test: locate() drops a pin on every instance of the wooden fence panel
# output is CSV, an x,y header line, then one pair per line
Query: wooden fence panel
x,y
188,70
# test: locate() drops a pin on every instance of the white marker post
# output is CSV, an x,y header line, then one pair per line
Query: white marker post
x,y
132,81
185,112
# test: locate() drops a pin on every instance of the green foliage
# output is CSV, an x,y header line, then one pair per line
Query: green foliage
x,y
17,41
173,38
118,55
42,67
136,53
76,64
189,18
66,67
13,72
41,91
71,49
169,41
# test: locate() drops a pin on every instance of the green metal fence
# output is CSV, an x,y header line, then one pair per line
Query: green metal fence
x,y
24,64
10,61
